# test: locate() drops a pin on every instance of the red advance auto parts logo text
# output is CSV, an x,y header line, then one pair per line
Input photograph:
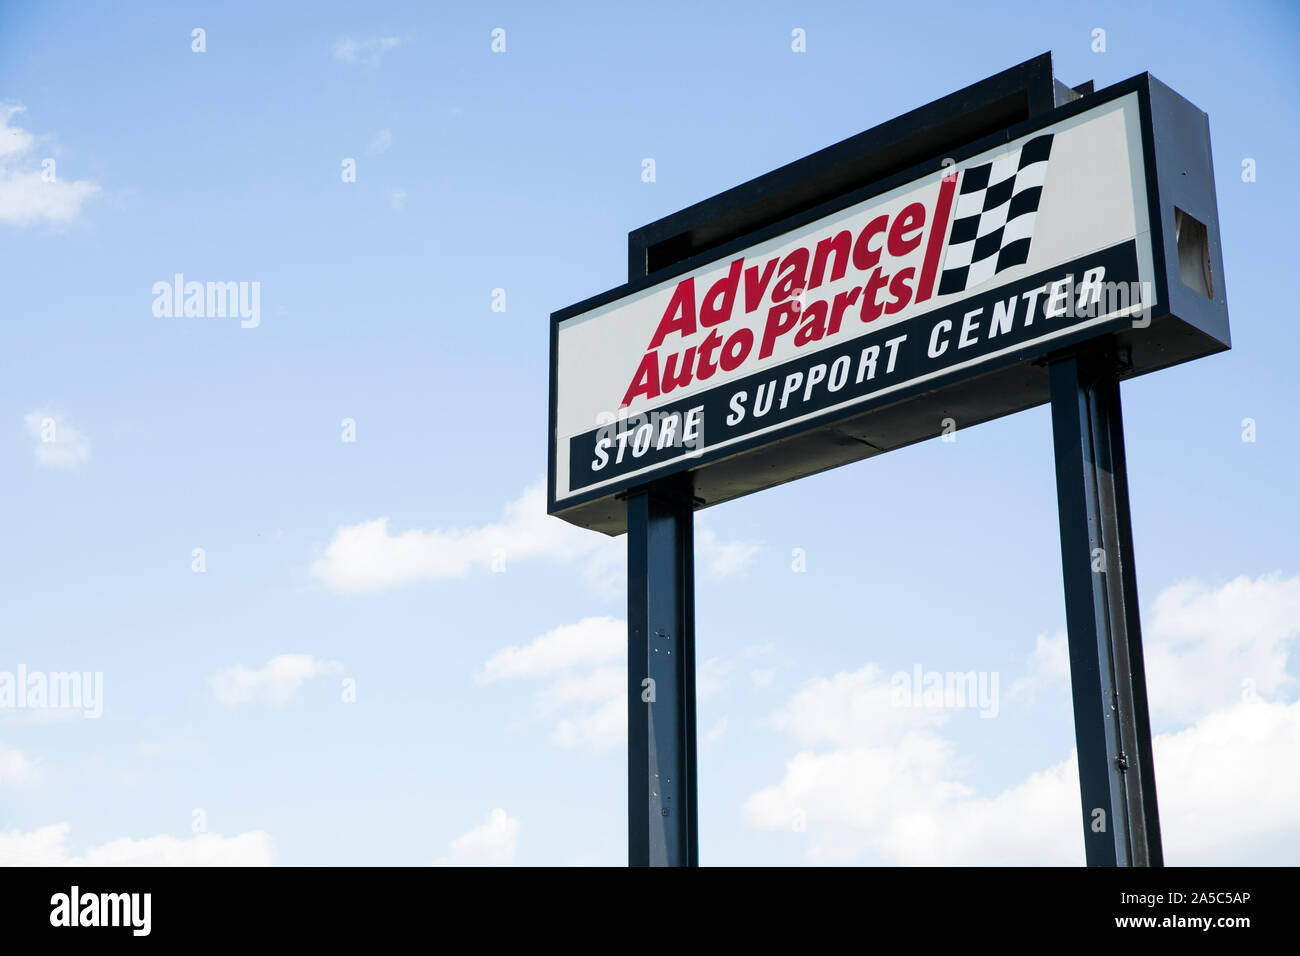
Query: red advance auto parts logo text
x,y
692,340
993,227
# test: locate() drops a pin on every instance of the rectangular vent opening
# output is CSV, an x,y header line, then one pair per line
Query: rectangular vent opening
x,y
1193,253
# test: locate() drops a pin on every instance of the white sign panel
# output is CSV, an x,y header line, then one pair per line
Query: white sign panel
x,y
1039,238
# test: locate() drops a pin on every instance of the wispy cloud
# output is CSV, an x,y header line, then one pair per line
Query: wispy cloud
x,y
14,140
716,732
47,846
57,443
17,770
721,558
584,667
593,640
276,682
368,557
1049,666
364,52
31,189
490,844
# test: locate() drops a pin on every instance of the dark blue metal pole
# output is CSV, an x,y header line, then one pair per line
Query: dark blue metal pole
x,y
661,800
1121,825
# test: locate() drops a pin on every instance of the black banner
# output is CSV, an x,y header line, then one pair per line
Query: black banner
x,y
331,907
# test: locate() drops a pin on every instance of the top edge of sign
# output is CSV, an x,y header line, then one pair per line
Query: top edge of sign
x,y
933,129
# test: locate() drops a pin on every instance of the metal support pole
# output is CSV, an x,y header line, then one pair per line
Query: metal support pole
x,y
1121,826
661,800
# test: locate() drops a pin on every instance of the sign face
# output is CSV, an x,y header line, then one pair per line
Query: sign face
x,y
1001,253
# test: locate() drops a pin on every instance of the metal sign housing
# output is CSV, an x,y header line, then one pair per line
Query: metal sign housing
x,y
924,300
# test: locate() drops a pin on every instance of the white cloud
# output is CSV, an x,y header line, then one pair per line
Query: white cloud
x,y
1227,789
722,558
17,771
364,52
856,798
599,730
1203,647
276,682
711,677
397,199
1228,786
368,557
31,191
851,709
891,785
383,139
14,141
716,732
491,844
596,686
585,669
58,444
25,198
47,846
1204,644
1049,666
591,640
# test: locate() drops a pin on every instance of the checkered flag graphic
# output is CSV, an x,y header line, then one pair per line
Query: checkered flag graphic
x,y
994,219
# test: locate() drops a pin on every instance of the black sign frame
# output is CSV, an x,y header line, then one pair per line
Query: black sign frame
x,y
1184,325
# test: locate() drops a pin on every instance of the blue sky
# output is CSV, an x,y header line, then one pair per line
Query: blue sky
x,y
223,690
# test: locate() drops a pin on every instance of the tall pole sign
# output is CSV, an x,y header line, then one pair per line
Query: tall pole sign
x,y
1015,243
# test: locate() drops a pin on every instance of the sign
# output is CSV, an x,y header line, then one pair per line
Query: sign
x,y
907,288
